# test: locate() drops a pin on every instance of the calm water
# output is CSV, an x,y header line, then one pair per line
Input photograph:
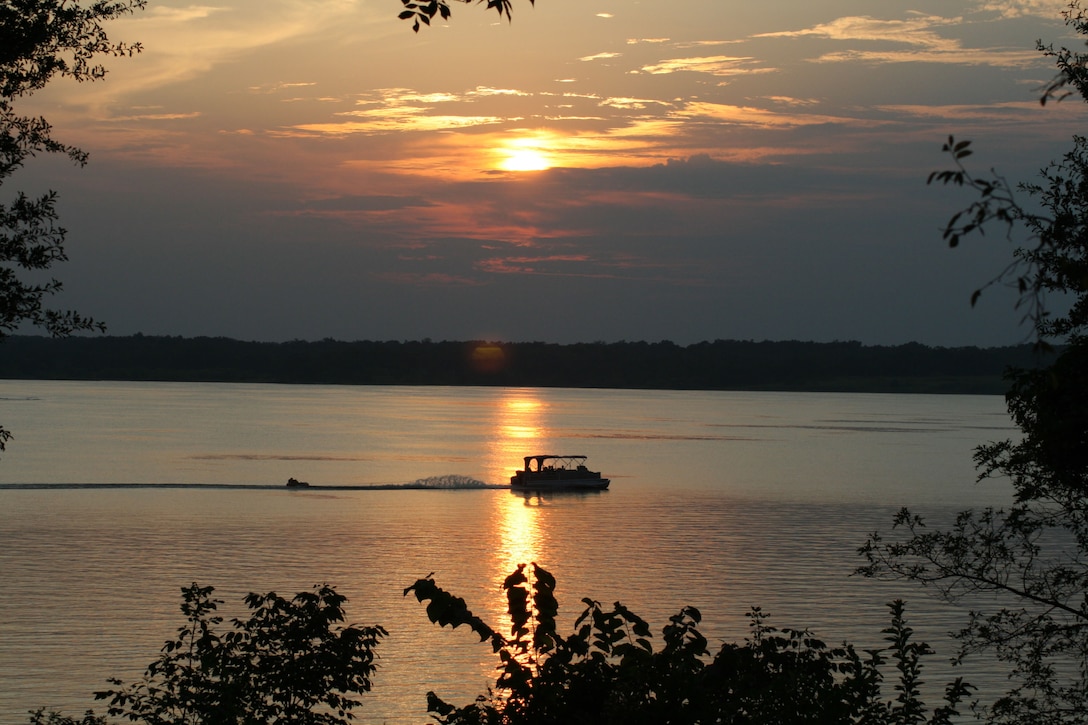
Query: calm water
x,y
719,500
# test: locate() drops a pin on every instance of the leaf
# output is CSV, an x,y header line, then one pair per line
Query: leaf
x,y
516,577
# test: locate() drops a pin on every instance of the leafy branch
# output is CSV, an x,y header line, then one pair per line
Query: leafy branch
x,y
422,12
996,204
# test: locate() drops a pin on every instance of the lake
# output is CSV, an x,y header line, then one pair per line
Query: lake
x,y
115,495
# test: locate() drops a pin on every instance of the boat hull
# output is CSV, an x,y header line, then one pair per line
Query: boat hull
x,y
544,482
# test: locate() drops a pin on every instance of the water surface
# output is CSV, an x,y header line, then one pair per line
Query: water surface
x,y
722,501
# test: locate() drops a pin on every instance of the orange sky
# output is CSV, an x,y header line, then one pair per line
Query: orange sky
x,y
590,171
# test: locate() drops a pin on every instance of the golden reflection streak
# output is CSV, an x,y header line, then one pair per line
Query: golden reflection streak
x,y
520,537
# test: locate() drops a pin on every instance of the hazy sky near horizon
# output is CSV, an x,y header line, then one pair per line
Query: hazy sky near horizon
x,y
595,170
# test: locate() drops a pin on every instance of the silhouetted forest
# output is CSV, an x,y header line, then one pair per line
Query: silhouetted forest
x,y
718,365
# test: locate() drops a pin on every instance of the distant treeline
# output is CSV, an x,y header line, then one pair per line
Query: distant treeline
x,y
718,365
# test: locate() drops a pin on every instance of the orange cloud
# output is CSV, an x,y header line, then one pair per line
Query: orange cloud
x,y
717,65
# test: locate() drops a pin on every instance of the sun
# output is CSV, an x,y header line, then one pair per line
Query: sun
x,y
530,152
524,159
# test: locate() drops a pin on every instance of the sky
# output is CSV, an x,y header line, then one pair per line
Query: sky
x,y
594,170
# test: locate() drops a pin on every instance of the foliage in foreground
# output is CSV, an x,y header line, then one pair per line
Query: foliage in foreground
x,y
41,717
290,661
608,671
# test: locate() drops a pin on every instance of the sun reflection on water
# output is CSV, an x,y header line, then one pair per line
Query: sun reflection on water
x,y
519,431
521,534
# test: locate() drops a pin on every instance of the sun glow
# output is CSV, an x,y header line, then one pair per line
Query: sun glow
x,y
525,160
524,154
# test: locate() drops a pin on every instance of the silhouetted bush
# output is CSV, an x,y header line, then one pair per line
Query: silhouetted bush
x,y
608,671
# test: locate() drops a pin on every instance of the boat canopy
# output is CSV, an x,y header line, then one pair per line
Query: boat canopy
x,y
570,462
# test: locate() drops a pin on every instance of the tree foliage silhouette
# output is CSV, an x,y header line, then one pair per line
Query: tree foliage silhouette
x,y
293,661
609,672
39,41
1025,568
422,12
290,661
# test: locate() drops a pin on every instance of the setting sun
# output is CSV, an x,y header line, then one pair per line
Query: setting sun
x,y
524,159
525,153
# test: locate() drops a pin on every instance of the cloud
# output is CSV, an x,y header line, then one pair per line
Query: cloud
x,y
918,33
913,31
278,87
704,43
403,119
399,110
633,103
181,14
1025,8
1010,112
182,42
485,91
717,65
763,118
600,56
791,101
407,97
390,110
995,58
567,206
156,117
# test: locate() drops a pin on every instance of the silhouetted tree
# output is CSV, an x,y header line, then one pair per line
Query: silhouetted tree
x,y
1030,561
39,40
